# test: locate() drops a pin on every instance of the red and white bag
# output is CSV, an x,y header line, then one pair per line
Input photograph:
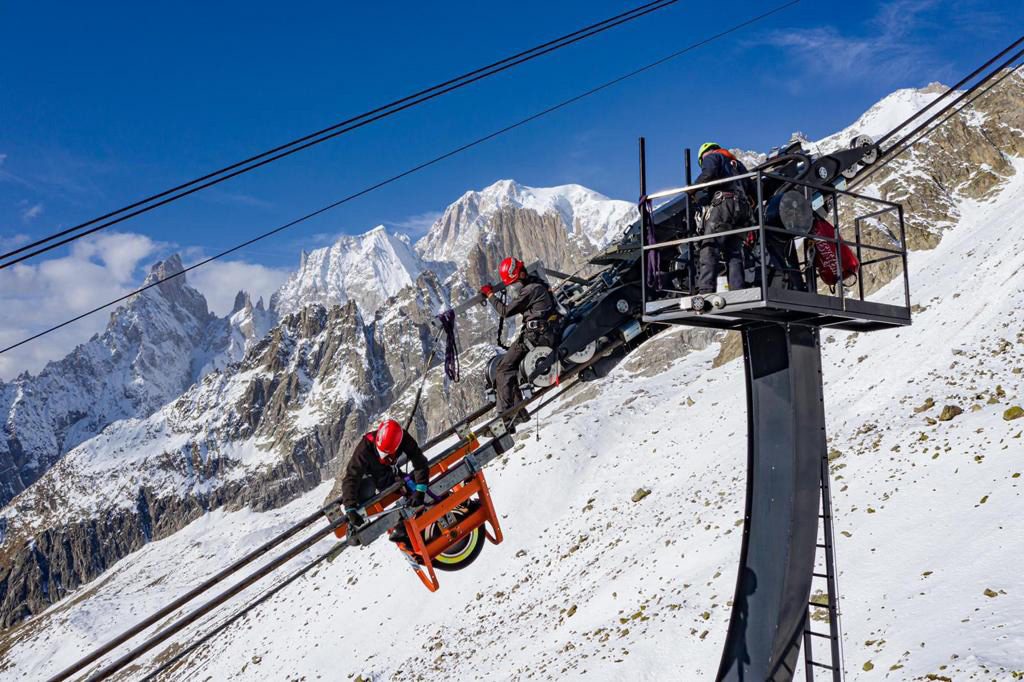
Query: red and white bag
x,y
825,261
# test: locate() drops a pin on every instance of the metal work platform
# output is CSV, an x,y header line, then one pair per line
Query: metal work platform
x,y
805,257
785,282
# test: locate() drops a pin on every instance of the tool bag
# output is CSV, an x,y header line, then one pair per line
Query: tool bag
x,y
830,268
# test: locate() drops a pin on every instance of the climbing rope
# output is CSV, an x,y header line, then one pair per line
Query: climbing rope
x,y
452,367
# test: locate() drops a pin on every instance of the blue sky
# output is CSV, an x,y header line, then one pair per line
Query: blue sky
x,y
101,103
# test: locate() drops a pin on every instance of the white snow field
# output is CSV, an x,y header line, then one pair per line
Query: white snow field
x,y
592,585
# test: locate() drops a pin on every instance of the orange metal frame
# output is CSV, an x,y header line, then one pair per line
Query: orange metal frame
x,y
439,467
423,553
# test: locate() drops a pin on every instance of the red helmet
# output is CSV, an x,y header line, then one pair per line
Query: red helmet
x,y
511,270
388,438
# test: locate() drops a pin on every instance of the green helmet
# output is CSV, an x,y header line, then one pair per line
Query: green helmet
x,y
704,149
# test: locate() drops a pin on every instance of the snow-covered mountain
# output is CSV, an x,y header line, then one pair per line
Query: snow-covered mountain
x,y
145,357
885,115
588,582
154,347
551,223
596,582
591,219
368,269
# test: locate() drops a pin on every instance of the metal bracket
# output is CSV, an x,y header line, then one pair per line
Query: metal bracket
x,y
497,428
334,512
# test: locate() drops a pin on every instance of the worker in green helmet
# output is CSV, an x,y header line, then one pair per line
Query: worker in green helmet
x,y
727,207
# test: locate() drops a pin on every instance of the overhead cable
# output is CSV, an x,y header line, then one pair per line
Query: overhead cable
x,y
405,173
76,232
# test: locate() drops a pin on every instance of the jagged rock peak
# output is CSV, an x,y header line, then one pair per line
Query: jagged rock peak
x,y
169,267
242,302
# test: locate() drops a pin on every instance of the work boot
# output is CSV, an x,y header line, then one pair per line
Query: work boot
x,y
398,535
520,417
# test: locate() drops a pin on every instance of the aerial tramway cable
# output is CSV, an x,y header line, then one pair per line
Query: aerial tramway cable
x,y
216,177
410,171
310,541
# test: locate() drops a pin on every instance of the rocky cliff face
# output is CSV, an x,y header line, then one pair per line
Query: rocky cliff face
x,y
256,435
151,352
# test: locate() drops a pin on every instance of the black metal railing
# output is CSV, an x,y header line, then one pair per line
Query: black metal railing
x,y
845,211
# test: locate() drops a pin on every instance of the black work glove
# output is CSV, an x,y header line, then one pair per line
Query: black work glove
x,y
416,499
355,518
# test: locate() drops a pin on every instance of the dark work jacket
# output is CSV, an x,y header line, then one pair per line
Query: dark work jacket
x,y
366,462
534,302
719,164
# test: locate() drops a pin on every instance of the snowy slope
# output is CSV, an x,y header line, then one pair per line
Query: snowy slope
x,y
368,269
590,584
589,217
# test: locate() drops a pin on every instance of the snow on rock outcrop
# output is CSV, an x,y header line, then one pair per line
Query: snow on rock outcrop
x,y
589,218
368,269
594,582
259,434
234,335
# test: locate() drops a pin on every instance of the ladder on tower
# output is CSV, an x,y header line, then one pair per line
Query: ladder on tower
x,y
815,609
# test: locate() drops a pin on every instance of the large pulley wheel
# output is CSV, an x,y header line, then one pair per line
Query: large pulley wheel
x,y
539,367
865,141
795,212
465,551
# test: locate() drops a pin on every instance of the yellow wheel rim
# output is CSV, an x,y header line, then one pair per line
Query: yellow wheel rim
x,y
474,539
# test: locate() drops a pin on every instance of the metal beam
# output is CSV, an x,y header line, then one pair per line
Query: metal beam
x,y
785,443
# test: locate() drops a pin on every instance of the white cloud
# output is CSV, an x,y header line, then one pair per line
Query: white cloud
x,y
13,241
32,212
887,50
38,296
219,281
417,225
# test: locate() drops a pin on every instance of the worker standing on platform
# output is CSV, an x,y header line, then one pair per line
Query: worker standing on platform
x,y
536,303
728,207
373,467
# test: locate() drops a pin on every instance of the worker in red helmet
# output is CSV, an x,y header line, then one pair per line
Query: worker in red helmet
x,y
373,467
535,302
